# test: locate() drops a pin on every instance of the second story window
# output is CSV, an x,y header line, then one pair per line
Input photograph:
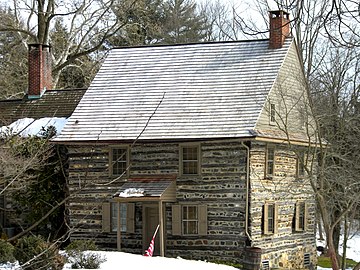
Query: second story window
x,y
119,160
189,159
300,167
269,162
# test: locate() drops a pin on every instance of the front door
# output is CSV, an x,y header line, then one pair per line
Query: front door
x,y
150,221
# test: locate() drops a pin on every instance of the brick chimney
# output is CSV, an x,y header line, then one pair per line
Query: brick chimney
x,y
279,28
40,78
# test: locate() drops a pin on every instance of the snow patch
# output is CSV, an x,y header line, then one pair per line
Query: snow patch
x,y
132,192
26,127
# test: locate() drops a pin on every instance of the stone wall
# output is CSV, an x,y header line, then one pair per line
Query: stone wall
x,y
286,247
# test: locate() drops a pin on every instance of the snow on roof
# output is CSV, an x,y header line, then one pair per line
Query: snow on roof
x,y
26,127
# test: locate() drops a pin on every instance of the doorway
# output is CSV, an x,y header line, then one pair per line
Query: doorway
x,y
150,222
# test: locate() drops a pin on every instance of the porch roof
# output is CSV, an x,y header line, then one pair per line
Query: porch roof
x,y
159,188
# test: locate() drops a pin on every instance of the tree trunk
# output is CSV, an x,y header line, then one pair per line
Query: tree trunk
x,y
343,260
331,251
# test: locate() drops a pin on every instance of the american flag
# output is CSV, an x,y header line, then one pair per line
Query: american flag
x,y
150,251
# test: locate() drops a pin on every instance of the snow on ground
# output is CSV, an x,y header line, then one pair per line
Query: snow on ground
x,y
117,260
120,260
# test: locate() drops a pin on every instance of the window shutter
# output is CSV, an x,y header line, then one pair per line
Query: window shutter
x,y
297,215
276,213
130,218
202,215
106,216
265,219
306,216
176,219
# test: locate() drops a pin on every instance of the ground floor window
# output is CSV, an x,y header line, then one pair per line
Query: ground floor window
x,y
300,216
115,217
189,219
269,218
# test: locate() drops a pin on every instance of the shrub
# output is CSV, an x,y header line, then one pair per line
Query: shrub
x,y
33,253
6,252
79,258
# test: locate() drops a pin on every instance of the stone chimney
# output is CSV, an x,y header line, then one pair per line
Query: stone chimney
x,y
279,28
40,78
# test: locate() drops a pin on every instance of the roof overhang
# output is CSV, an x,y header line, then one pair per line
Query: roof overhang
x,y
148,189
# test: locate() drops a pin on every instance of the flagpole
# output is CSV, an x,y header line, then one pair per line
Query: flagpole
x,y
157,228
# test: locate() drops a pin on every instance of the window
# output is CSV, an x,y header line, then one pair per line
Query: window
x,y
270,162
300,217
110,217
119,160
189,160
114,217
300,167
272,113
269,218
189,219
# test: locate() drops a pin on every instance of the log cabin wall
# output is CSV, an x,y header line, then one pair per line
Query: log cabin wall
x,y
221,185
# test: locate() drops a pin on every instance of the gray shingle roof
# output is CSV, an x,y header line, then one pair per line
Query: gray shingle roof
x,y
193,91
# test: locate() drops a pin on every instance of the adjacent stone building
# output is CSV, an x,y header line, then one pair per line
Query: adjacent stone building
x,y
206,140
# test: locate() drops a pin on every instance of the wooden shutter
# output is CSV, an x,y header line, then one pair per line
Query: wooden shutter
x,y
276,214
202,215
265,219
106,216
306,216
176,219
297,217
130,218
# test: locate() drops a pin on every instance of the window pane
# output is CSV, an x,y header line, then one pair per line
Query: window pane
x,y
123,215
192,213
270,155
272,113
190,160
114,217
189,222
119,161
271,209
301,216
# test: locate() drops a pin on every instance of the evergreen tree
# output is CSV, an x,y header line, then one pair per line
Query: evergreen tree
x,y
183,23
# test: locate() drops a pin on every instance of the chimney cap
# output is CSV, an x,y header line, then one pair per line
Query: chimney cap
x,y
279,13
37,45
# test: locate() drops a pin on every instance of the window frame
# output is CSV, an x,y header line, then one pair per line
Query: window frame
x,y
272,161
300,165
265,221
111,160
181,159
272,113
178,221
120,216
300,216
185,221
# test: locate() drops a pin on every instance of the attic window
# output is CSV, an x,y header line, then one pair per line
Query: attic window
x,y
272,113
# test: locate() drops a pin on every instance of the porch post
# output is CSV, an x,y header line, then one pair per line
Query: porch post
x,y
161,230
118,234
